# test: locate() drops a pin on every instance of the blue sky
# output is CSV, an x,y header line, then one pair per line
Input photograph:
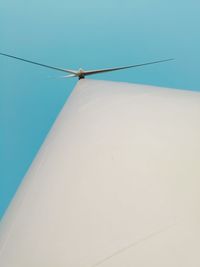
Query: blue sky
x,y
87,34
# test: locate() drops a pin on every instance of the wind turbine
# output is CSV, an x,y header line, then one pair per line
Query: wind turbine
x,y
80,74
116,182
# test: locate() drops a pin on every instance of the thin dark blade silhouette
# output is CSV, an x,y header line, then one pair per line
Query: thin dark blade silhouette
x,y
90,72
39,64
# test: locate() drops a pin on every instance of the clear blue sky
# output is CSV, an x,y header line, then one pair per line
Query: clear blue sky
x,y
87,34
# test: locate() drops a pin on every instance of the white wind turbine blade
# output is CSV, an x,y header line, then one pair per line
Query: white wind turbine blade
x,y
90,72
69,76
39,64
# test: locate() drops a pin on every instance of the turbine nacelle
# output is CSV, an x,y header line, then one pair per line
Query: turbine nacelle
x,y
80,74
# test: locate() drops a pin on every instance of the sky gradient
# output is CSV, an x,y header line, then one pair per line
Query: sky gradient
x,y
88,35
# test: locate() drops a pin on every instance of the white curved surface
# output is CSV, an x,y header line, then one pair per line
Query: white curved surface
x,y
116,183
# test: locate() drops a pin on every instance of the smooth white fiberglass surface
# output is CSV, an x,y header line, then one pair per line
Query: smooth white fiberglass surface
x,y
116,183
